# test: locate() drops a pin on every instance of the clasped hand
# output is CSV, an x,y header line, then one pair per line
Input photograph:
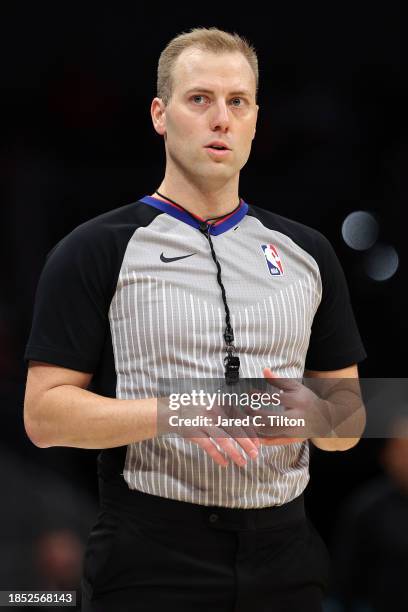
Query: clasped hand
x,y
228,435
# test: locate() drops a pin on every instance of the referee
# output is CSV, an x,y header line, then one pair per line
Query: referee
x,y
191,282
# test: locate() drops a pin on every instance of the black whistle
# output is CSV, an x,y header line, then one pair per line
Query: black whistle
x,y
231,363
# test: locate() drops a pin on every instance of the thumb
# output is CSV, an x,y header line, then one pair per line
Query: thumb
x,y
267,372
285,384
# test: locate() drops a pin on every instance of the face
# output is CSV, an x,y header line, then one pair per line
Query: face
x,y
213,99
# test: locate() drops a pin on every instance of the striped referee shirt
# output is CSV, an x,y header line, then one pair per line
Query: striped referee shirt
x,y
131,296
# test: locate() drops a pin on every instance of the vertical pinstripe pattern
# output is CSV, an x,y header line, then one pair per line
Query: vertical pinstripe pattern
x,y
167,321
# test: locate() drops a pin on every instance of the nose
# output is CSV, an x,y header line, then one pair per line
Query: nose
x,y
220,119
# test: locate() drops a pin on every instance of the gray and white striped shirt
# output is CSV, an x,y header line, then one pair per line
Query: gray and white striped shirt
x,y
143,318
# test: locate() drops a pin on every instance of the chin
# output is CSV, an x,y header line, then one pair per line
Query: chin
x,y
217,170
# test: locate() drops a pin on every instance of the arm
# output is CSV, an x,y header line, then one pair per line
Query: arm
x,y
336,443
332,409
60,411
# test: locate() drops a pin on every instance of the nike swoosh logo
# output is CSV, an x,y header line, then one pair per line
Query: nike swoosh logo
x,y
169,259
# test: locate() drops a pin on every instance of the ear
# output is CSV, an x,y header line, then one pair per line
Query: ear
x,y
256,119
158,113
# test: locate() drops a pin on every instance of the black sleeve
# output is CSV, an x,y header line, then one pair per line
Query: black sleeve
x,y
73,297
335,342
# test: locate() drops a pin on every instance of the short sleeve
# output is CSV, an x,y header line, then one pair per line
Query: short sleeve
x,y
335,341
70,319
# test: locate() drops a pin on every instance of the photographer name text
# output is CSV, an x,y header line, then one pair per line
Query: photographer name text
x,y
247,421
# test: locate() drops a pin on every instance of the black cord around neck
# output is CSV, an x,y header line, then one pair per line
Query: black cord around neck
x,y
231,361
191,214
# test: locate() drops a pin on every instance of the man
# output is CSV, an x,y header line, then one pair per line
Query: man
x,y
191,282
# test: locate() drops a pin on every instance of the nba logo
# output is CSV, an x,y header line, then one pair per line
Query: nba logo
x,y
272,259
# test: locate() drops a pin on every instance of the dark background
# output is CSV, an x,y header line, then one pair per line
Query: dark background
x,y
77,140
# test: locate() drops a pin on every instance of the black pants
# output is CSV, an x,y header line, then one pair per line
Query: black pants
x,y
148,554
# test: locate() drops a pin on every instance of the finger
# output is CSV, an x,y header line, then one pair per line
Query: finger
x,y
240,434
249,433
232,451
286,384
248,445
267,372
209,447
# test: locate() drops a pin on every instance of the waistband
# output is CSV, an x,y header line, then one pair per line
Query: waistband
x,y
116,496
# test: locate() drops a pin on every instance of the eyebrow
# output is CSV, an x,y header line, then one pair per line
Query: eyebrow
x,y
243,92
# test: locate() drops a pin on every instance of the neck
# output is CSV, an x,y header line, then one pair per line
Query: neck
x,y
202,202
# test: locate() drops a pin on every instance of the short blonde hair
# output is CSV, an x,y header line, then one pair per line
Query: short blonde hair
x,y
207,39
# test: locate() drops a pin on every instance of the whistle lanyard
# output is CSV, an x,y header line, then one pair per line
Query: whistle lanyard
x,y
231,361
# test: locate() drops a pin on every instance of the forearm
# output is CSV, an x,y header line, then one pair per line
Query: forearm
x,y
70,416
347,418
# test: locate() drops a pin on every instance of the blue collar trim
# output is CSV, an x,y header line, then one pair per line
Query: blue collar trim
x,y
173,211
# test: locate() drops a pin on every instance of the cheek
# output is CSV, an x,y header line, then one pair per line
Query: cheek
x,y
246,140
250,131
184,127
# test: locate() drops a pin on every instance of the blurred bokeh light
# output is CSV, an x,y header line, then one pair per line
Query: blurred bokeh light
x,y
360,230
381,262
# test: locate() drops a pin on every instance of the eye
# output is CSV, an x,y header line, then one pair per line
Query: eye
x,y
235,99
197,96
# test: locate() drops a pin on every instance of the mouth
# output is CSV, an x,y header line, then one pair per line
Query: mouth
x,y
217,144
217,150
